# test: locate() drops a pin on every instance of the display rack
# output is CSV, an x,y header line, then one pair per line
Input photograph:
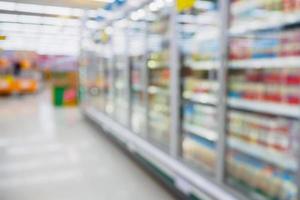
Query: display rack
x,y
263,114
212,95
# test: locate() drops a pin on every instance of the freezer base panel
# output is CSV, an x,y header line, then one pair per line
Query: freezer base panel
x,y
174,173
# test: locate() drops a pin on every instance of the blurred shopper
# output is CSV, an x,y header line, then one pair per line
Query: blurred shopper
x,y
17,68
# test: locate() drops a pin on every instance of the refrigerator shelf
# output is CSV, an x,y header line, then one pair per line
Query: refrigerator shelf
x,y
265,107
201,131
277,62
207,99
279,159
273,21
202,65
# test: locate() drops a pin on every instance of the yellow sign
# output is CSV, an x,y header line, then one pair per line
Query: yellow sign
x,y
183,5
2,37
104,37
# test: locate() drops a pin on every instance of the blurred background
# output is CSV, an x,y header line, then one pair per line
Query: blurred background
x,y
149,99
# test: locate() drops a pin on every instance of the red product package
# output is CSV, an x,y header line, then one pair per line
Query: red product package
x,y
297,4
273,93
292,95
286,41
292,77
288,5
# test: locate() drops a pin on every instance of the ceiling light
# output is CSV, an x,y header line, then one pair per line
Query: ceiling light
x,y
105,1
7,6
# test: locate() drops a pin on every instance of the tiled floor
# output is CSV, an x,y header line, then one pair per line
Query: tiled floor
x,y
53,154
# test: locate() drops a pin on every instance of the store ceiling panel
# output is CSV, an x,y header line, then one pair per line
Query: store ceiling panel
x,y
90,4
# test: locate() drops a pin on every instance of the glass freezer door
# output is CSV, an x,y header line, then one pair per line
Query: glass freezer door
x,y
199,36
158,50
109,68
102,82
92,75
121,66
138,79
264,99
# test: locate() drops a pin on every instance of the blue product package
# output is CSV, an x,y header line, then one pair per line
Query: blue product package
x,y
265,48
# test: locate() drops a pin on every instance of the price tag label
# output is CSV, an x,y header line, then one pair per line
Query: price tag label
x,y
183,5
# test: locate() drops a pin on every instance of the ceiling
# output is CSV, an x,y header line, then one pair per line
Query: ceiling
x,y
89,4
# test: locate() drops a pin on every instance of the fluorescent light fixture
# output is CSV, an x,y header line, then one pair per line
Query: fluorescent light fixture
x,y
29,19
93,13
141,13
122,23
134,16
153,7
10,6
72,22
8,18
52,21
10,27
104,13
109,30
31,8
105,1
156,5
92,24
137,15
41,34
54,10
134,3
77,12
205,5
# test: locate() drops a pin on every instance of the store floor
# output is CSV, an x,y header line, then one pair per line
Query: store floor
x,y
53,154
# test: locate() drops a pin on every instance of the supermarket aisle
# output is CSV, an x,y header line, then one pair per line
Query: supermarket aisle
x,y
53,154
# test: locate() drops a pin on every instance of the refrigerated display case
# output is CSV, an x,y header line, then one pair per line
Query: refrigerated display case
x,y
138,76
263,99
102,80
158,51
199,33
121,72
92,83
237,133
97,70
110,108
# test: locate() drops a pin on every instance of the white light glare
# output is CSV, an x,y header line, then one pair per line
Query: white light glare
x,y
109,30
156,5
121,23
32,8
105,1
137,15
8,18
10,6
206,5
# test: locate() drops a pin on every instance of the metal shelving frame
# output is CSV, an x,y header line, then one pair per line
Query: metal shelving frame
x,y
185,179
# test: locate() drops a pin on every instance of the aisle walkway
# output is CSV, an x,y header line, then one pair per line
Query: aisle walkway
x,y
53,154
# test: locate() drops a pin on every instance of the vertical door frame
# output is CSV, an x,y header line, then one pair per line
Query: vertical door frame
x,y
224,12
175,89
82,70
128,76
147,82
145,76
111,64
